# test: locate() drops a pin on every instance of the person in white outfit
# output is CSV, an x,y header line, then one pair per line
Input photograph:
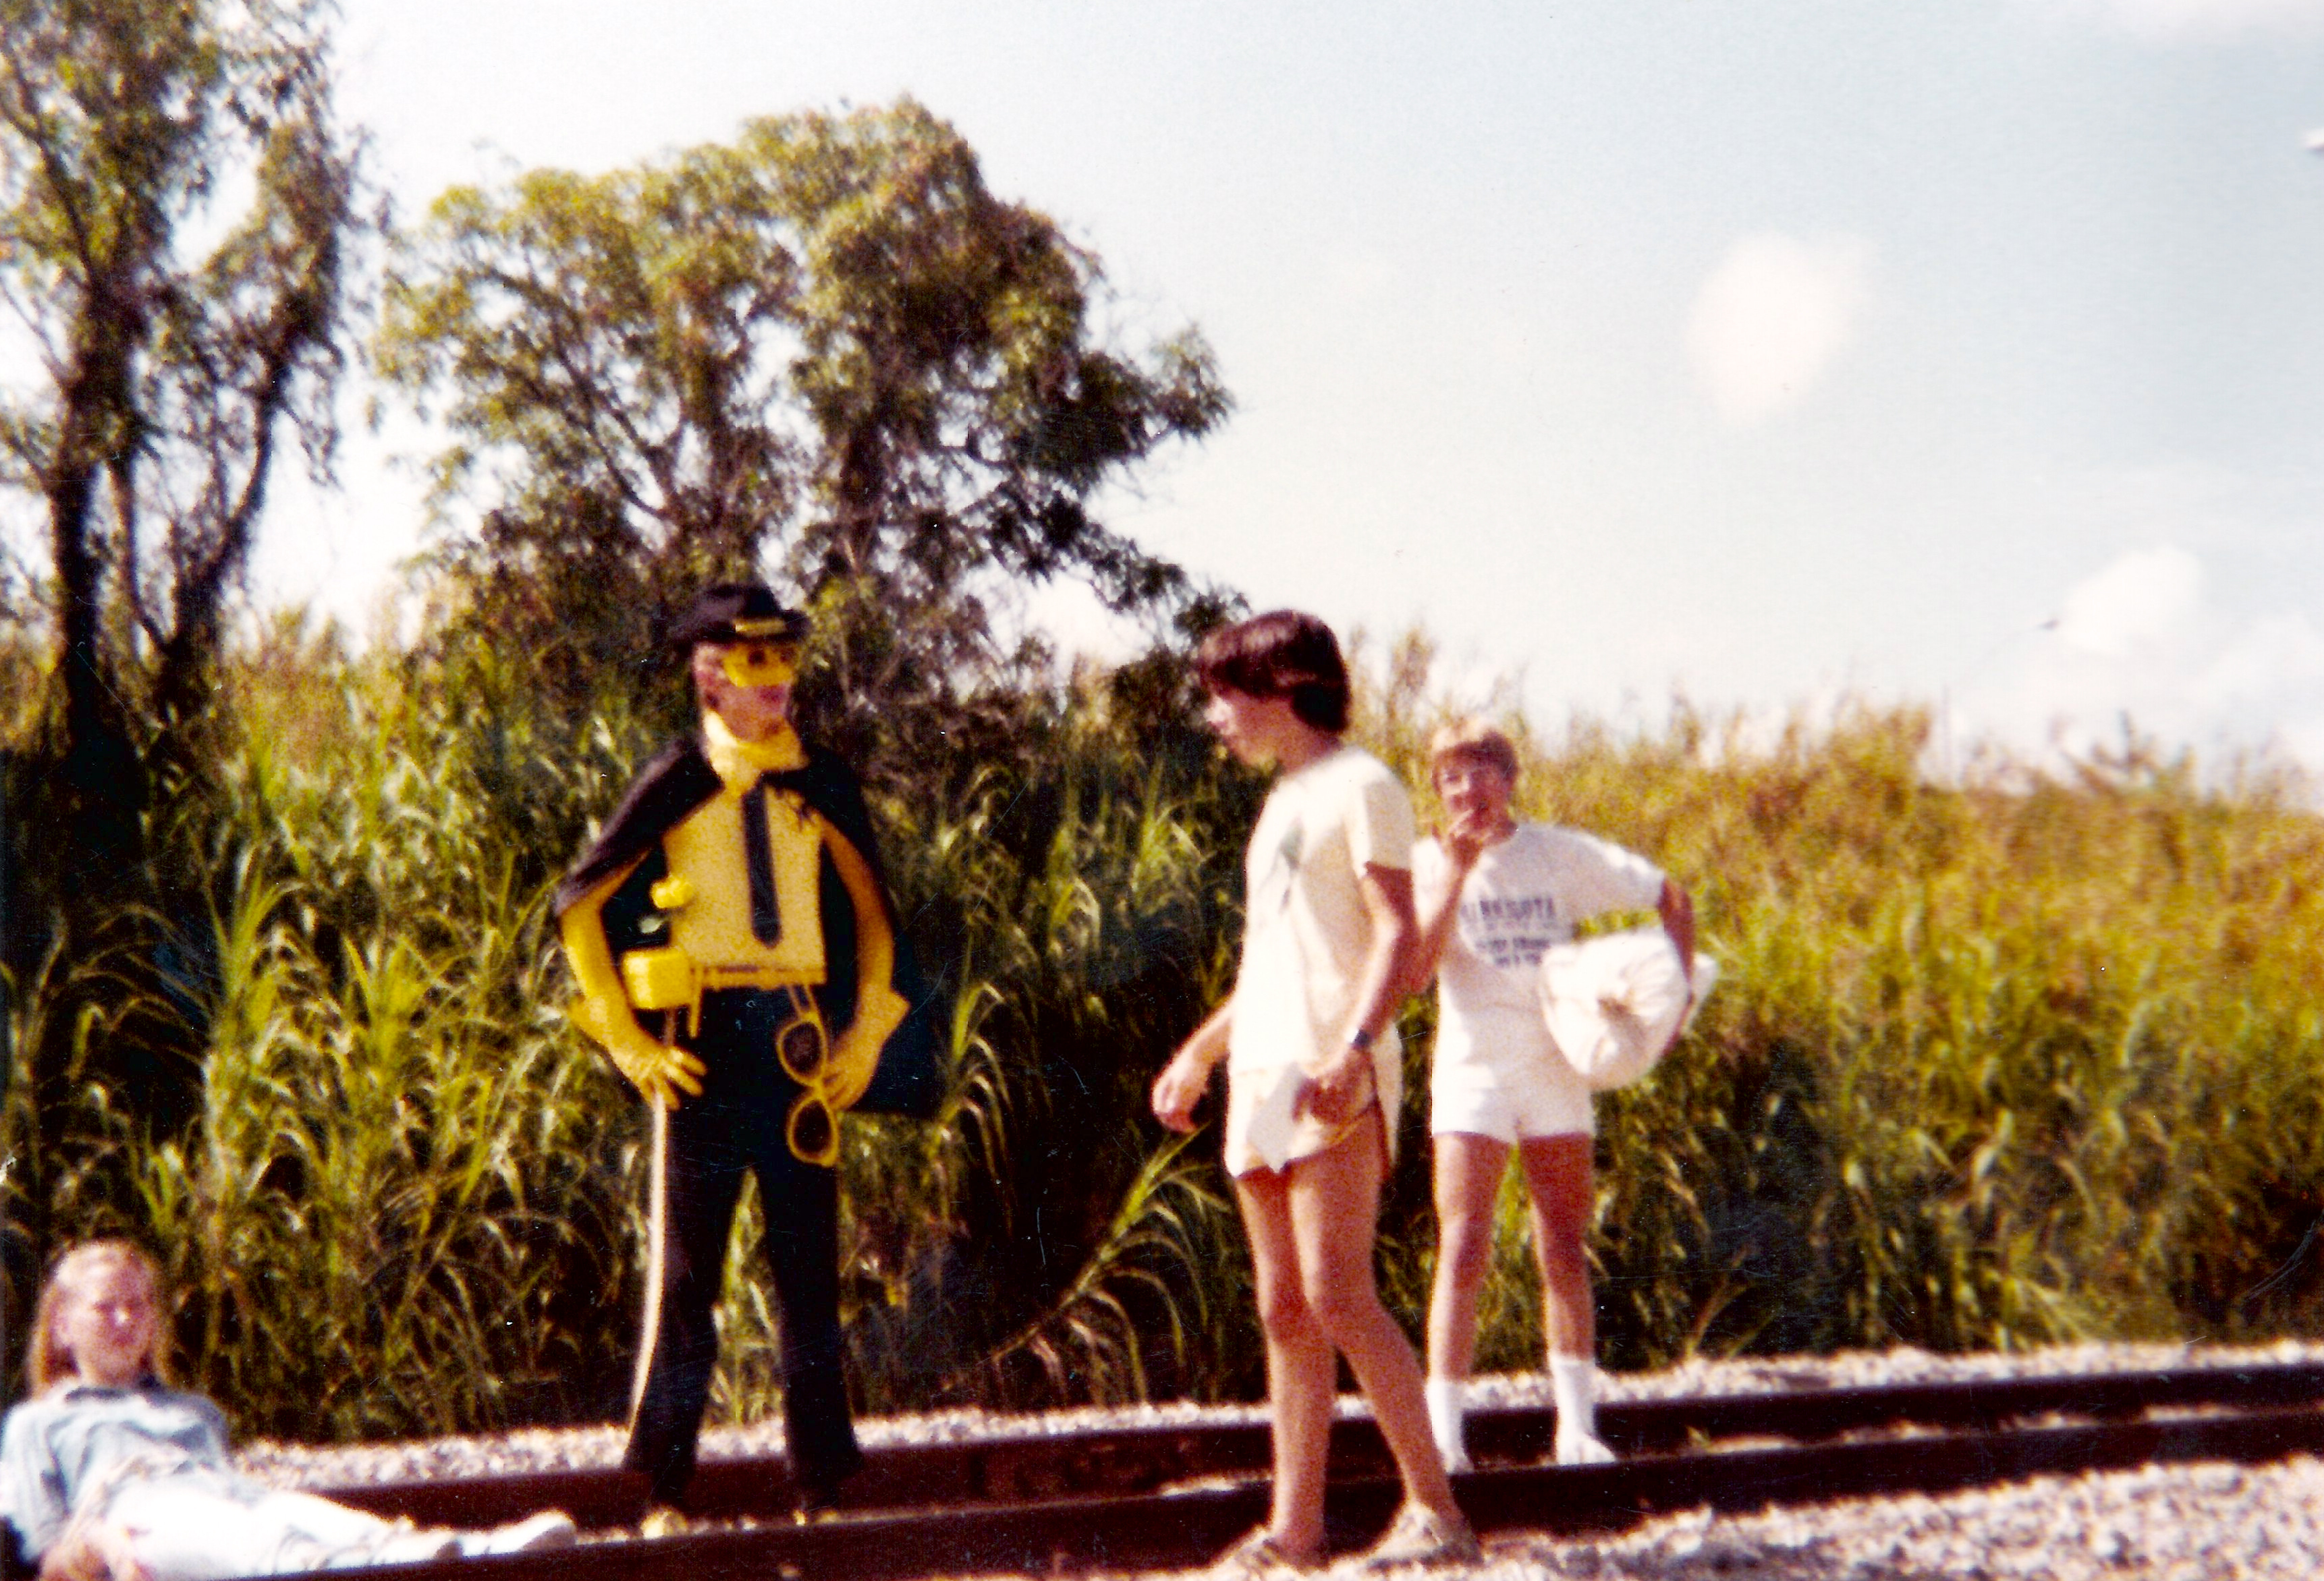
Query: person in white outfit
x,y
107,1474
1492,896
1312,1076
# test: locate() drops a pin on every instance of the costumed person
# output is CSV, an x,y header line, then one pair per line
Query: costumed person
x,y
107,1473
1314,1079
738,957
1494,896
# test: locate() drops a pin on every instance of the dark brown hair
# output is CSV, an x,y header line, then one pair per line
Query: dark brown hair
x,y
1282,654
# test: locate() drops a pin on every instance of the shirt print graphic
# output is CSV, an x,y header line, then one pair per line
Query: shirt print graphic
x,y
1510,932
1273,896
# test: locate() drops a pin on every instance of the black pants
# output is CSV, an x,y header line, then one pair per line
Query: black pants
x,y
701,1150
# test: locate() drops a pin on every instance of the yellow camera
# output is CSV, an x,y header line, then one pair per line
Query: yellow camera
x,y
660,979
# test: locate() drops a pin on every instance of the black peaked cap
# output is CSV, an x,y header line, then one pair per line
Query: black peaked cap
x,y
737,612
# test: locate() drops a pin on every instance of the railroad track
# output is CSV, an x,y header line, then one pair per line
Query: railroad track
x,y
1169,1496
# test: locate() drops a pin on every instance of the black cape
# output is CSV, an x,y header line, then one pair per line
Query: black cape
x,y
908,1079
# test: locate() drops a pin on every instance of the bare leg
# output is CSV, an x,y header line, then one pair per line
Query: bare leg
x,y
1334,1199
1299,1366
1468,1170
1557,1178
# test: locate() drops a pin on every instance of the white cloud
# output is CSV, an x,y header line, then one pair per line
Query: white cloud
x,y
1772,318
2142,640
2143,601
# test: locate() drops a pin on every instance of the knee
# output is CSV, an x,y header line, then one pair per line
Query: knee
x,y
1283,1309
1464,1250
1340,1300
1561,1252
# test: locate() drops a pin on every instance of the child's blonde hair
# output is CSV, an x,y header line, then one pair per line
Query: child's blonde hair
x,y
49,1360
1476,738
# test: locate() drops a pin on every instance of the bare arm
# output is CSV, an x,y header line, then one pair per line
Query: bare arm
x,y
1462,841
1437,906
660,1071
1677,909
1342,1087
1184,1080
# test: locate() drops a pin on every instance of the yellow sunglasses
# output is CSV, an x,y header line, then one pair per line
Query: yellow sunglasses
x,y
803,1045
760,663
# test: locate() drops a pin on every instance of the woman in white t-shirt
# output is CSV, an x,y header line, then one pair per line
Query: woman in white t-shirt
x,y
1313,1074
1492,896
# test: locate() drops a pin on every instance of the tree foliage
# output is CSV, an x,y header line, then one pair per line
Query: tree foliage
x,y
825,352
167,381
177,203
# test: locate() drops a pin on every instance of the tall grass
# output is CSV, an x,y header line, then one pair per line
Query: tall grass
x,y
412,1199
1992,1063
403,1197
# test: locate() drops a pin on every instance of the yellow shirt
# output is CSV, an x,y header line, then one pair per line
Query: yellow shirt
x,y
710,863
707,893
707,853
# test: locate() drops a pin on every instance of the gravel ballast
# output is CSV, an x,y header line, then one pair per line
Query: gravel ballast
x,y
2203,1522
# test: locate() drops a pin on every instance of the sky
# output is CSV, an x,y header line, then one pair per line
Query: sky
x,y
1963,352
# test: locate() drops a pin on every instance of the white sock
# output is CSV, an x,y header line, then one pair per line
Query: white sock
x,y
1573,1383
1445,1397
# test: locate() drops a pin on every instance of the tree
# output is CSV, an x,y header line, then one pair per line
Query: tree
x,y
167,375
827,352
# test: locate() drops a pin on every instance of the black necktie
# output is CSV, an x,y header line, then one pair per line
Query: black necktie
x,y
758,849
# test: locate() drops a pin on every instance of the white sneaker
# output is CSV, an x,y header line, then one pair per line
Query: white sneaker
x,y
1583,1449
1420,1536
551,1528
1259,1556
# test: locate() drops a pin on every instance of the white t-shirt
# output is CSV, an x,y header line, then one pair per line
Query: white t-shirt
x,y
1525,894
1306,931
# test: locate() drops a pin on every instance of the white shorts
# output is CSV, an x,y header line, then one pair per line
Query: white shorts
x,y
1503,1077
1262,1133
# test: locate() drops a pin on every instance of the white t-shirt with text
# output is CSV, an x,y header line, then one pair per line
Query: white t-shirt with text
x,y
1525,893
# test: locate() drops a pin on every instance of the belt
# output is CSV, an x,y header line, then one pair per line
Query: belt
x,y
714,978
667,978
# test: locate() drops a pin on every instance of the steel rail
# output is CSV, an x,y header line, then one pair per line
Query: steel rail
x,y
1160,1531
1119,1461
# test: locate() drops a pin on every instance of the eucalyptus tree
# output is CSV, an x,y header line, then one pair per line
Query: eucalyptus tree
x,y
177,202
825,352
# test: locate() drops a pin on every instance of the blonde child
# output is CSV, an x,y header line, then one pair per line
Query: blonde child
x,y
1493,895
107,1473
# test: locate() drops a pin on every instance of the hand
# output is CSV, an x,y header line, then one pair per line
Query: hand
x,y
1466,837
1179,1088
1339,1092
659,1071
92,1550
855,1056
